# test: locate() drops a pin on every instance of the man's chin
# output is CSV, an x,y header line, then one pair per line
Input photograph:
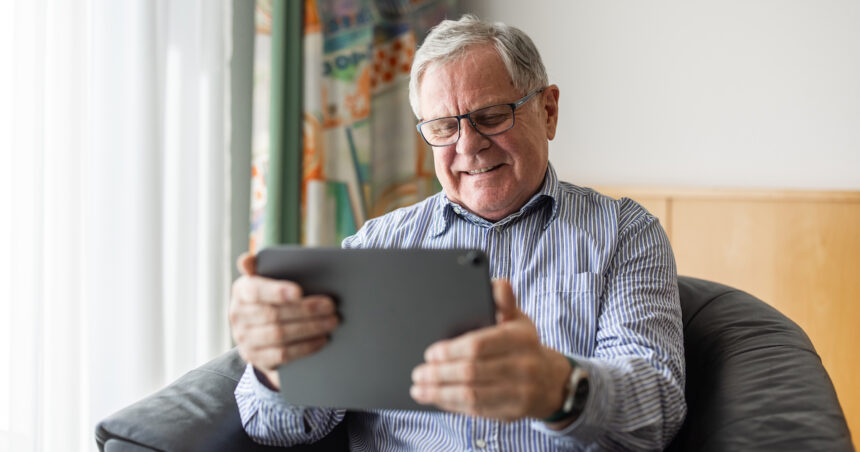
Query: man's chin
x,y
490,209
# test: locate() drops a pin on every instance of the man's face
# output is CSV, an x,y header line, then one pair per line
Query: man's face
x,y
516,159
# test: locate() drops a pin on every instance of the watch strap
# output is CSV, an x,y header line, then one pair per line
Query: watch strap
x,y
568,407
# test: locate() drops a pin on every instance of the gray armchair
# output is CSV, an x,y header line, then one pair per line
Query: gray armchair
x,y
754,382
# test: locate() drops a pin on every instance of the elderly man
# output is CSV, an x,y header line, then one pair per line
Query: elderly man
x,y
587,352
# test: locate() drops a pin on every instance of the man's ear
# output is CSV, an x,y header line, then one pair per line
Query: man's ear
x,y
550,106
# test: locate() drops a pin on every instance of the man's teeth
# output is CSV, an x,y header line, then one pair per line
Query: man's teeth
x,y
481,170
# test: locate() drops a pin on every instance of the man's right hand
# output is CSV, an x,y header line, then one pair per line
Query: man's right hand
x,y
273,323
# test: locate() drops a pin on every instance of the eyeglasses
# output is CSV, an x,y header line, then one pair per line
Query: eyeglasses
x,y
488,121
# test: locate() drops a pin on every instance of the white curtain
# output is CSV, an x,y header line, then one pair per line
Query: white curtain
x,y
114,204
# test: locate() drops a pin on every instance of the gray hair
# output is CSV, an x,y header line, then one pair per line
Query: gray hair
x,y
450,40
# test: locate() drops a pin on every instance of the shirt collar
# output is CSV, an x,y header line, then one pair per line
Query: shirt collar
x,y
547,197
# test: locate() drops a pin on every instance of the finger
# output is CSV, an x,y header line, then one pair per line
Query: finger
x,y
486,401
256,289
253,314
247,264
457,372
451,373
511,369
506,302
270,358
483,343
272,335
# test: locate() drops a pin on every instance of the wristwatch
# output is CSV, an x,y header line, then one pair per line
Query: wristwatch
x,y
576,394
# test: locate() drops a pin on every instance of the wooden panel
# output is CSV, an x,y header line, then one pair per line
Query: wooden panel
x,y
802,257
797,250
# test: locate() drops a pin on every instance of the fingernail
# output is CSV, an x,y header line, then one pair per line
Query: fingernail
x,y
290,293
418,375
416,392
433,354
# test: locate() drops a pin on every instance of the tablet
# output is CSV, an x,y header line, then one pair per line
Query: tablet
x,y
393,303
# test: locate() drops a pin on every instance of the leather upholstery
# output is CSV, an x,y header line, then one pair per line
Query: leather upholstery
x,y
198,412
754,382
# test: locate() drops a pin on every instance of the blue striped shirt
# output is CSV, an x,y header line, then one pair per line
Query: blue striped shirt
x,y
596,276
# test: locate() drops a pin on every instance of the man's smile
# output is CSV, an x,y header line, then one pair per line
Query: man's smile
x,y
482,170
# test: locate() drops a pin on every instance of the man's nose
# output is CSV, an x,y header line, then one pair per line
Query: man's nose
x,y
471,141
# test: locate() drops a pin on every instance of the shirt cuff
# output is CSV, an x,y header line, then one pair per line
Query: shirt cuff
x,y
588,426
261,390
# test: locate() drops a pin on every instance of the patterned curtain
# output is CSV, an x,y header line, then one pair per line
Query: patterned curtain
x,y
360,154
260,120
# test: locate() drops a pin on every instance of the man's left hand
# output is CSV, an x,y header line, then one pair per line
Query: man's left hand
x,y
501,372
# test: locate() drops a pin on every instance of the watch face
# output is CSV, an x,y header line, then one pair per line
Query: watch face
x,y
577,391
581,395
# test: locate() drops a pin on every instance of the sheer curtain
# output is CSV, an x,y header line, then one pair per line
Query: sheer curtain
x,y
114,204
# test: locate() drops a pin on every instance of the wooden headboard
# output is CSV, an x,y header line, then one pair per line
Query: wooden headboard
x,y
797,250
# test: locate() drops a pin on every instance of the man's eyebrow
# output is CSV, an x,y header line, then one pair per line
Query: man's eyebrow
x,y
491,104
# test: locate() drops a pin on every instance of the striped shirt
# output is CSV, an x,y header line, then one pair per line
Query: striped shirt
x,y
596,276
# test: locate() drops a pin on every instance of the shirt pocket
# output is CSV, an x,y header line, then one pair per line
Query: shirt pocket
x,y
564,309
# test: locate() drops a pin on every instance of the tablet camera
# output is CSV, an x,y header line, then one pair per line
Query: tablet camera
x,y
473,258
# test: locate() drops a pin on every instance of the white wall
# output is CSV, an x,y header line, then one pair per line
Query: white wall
x,y
736,93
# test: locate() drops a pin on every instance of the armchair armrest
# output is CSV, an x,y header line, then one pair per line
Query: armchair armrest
x,y
196,412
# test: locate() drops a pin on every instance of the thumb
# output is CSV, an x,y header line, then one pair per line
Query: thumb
x,y
247,264
506,302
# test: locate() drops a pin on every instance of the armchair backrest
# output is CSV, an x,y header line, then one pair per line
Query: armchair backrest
x,y
754,380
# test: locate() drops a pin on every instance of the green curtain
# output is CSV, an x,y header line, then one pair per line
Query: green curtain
x,y
285,170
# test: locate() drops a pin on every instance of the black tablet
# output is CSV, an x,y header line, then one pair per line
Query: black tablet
x,y
393,303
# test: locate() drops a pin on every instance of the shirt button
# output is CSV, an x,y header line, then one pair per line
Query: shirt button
x,y
480,444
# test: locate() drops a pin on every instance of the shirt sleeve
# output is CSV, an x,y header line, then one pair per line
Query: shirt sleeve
x,y
636,376
269,420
